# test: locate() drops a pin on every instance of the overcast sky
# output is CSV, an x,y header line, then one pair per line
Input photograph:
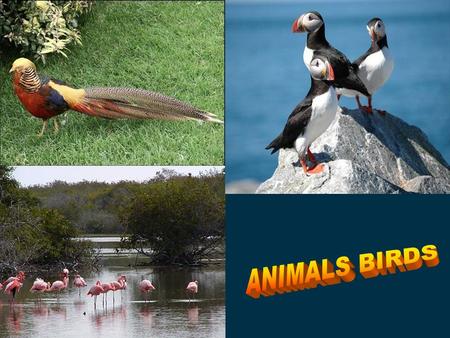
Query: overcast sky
x,y
31,175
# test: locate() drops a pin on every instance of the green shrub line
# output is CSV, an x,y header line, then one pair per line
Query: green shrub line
x,y
32,237
39,28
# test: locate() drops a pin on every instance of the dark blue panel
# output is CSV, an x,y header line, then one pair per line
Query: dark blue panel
x,y
276,229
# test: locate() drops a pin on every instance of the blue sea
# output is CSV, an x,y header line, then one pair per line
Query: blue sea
x,y
266,77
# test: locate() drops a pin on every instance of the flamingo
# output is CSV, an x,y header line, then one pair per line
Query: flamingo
x,y
39,286
10,279
192,289
107,287
145,286
120,284
58,285
13,285
79,283
95,291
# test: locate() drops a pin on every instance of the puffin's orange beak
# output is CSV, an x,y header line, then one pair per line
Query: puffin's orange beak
x,y
297,26
373,36
330,72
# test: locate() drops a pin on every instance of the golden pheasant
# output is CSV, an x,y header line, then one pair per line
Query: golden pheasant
x,y
45,98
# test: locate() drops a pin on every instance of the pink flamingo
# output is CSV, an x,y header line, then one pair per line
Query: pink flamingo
x,y
106,288
95,291
58,285
145,286
120,284
13,285
79,283
39,286
10,279
192,289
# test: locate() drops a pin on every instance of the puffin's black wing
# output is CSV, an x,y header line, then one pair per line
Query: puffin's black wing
x,y
359,60
338,60
345,73
294,127
352,81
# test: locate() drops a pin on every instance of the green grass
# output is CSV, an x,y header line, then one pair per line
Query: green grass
x,y
175,48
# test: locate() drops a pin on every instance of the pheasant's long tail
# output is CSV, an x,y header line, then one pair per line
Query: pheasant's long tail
x,y
116,103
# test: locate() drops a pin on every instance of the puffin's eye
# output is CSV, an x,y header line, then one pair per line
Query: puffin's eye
x,y
310,17
317,63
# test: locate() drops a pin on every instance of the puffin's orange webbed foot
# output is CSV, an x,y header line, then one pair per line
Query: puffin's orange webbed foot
x,y
381,112
316,169
367,109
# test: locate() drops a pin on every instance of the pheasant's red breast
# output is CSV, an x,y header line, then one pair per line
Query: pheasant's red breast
x,y
35,103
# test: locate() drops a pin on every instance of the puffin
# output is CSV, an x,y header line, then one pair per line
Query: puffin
x,y
312,116
375,66
345,74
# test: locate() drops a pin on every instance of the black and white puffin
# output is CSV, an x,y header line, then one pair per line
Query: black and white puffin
x,y
375,66
344,72
312,116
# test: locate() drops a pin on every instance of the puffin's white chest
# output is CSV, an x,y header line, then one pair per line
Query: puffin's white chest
x,y
376,69
307,56
324,108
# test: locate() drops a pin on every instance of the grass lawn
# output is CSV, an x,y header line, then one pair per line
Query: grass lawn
x,y
175,48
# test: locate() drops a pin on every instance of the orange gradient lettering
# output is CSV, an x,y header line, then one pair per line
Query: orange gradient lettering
x,y
279,279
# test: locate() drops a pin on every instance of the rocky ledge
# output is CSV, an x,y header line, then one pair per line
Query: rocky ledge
x,y
365,154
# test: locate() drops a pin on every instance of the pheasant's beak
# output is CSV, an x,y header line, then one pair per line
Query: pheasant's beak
x,y
12,70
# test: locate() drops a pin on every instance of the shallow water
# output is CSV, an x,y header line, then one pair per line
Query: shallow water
x,y
168,313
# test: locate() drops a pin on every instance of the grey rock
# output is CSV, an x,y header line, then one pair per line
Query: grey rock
x,y
365,153
427,185
242,187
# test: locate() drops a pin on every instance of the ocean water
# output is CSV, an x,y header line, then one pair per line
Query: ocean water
x,y
266,77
